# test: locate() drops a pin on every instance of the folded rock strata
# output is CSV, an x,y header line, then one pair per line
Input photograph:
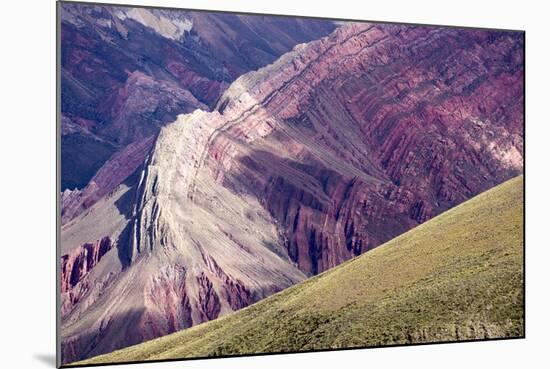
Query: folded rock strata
x,y
353,139
126,72
338,146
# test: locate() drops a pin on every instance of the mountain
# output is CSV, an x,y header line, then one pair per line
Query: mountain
x,y
457,277
126,72
335,148
356,138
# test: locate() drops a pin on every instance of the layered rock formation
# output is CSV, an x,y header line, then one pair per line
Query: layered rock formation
x,y
178,263
126,72
76,265
338,146
353,139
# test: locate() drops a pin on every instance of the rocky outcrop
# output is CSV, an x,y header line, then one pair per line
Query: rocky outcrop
x,y
338,146
169,307
209,302
77,264
75,267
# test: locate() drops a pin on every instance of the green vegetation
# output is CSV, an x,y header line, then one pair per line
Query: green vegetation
x,y
456,277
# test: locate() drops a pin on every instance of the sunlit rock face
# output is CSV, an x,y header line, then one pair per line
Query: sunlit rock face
x,y
337,146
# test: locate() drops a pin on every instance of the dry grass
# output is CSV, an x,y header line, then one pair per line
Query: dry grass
x,y
458,276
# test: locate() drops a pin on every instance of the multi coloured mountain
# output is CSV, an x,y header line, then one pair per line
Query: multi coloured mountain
x,y
457,277
221,190
126,72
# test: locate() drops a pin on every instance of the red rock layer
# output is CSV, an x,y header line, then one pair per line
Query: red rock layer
x,y
376,129
234,291
76,265
168,302
209,302
337,147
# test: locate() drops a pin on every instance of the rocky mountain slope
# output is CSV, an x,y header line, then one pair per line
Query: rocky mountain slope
x,y
126,72
335,148
459,277
353,139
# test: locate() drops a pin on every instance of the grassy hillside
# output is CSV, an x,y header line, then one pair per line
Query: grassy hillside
x,y
456,277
